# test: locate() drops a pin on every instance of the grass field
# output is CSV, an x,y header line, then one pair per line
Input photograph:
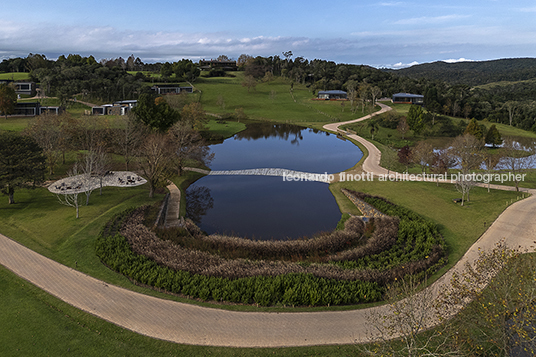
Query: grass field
x,y
43,325
15,76
273,101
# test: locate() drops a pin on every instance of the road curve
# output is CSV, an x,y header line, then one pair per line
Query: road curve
x,y
191,324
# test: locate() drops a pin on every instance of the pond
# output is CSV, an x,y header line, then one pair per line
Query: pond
x,y
263,207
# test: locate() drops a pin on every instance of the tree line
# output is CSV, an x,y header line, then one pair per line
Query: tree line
x,y
110,79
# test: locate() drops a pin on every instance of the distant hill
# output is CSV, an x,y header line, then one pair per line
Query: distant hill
x,y
473,73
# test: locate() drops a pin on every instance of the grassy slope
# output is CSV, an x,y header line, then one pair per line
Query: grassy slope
x,y
46,326
15,76
271,101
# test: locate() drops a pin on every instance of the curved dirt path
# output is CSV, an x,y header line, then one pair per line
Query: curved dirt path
x,y
190,324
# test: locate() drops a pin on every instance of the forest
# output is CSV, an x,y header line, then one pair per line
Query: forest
x,y
499,91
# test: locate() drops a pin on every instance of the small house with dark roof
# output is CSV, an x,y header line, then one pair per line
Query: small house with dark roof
x,y
332,95
408,98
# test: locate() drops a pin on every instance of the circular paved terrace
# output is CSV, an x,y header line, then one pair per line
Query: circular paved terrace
x,y
83,183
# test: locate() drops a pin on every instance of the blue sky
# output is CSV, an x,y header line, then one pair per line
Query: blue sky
x,y
377,33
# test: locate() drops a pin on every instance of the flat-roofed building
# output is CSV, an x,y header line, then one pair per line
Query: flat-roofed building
x,y
332,94
408,98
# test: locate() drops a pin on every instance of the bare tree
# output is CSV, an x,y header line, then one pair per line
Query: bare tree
x,y
46,131
423,155
519,156
467,151
155,158
497,295
511,107
399,328
351,88
249,82
188,147
70,197
403,127
443,162
364,94
127,139
375,92
491,161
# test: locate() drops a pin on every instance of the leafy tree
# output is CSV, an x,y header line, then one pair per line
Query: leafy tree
x,y
497,293
194,115
22,163
474,129
404,155
403,127
493,136
415,119
166,70
249,82
186,69
155,113
373,127
8,99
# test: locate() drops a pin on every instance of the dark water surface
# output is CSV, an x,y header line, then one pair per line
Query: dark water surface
x,y
267,207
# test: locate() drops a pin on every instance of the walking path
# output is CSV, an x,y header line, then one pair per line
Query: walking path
x,y
190,324
289,175
173,207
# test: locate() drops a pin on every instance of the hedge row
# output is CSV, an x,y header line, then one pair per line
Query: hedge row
x,y
419,243
144,241
289,289
388,249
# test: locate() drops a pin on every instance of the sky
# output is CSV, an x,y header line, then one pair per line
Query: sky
x,y
390,34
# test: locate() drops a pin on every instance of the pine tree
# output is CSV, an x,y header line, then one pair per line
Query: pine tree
x,y
493,136
474,129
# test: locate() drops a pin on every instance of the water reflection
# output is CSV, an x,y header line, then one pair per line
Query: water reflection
x,y
269,130
266,207
198,202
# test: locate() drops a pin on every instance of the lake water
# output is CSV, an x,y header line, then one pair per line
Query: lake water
x,y
265,207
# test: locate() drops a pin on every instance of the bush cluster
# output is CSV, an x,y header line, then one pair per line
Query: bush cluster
x,y
318,248
351,265
294,289
419,246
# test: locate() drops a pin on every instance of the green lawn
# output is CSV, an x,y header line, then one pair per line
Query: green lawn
x,y
225,129
272,101
460,226
45,326
15,123
15,76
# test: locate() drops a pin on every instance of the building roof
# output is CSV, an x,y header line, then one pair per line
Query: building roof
x,y
408,95
331,92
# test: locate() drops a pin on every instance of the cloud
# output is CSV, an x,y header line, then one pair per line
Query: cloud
x,y
375,48
528,9
427,20
404,65
458,60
